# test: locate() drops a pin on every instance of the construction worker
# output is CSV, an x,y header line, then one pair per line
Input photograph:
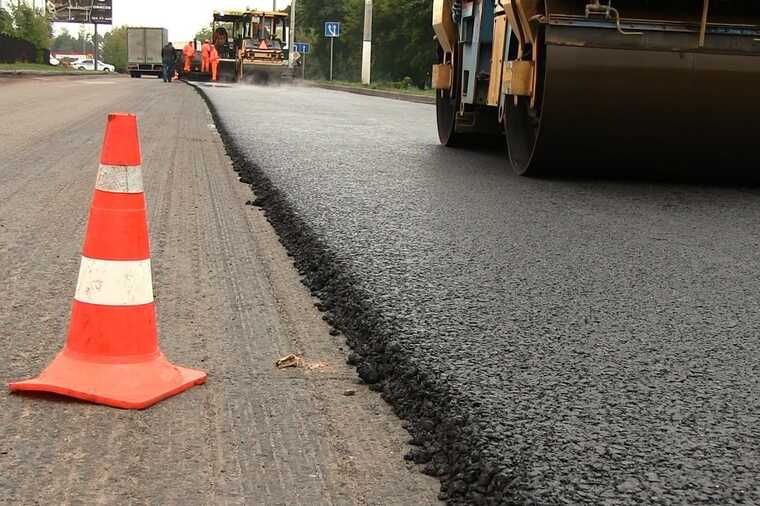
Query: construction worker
x,y
214,61
168,58
205,55
189,53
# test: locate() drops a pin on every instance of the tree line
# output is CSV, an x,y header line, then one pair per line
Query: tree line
x,y
403,48
402,39
26,23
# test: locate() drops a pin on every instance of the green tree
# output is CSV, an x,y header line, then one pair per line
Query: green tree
x,y
84,41
311,17
403,43
402,34
204,33
115,48
6,22
65,42
31,24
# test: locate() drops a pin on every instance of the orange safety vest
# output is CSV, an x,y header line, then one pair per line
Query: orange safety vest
x,y
214,55
189,50
205,50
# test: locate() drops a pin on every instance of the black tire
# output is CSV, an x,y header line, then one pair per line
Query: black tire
x,y
106,70
447,104
81,68
522,124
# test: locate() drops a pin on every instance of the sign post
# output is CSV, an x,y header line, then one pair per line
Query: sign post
x,y
332,32
303,49
95,43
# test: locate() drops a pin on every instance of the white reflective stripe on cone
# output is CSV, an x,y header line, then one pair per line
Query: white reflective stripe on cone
x,y
114,282
119,179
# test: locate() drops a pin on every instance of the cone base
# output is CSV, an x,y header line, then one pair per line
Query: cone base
x,y
126,386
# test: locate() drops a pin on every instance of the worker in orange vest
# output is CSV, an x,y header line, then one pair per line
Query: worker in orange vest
x,y
189,52
205,55
214,61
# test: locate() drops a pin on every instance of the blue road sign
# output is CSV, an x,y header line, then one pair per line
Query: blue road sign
x,y
303,47
332,29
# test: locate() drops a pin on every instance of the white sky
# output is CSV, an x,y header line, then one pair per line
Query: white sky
x,y
183,18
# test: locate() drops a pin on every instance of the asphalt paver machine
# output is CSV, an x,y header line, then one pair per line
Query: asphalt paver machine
x,y
252,45
601,83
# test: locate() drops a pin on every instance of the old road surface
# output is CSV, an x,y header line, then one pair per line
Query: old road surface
x,y
229,301
550,341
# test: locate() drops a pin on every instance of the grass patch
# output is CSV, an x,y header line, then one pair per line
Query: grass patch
x,y
400,87
40,67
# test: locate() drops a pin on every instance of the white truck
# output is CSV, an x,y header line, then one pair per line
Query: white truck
x,y
144,47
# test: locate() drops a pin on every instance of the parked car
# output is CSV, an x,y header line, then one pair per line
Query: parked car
x,y
54,61
90,65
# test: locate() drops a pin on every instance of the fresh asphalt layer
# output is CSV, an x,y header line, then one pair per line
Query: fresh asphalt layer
x,y
583,340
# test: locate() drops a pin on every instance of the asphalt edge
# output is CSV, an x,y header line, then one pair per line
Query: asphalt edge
x,y
406,97
444,438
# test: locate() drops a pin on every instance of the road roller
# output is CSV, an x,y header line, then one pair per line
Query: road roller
x,y
601,84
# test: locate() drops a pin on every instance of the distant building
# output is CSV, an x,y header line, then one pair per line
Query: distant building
x,y
72,55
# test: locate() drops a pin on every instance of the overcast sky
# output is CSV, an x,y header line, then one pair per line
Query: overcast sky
x,y
183,18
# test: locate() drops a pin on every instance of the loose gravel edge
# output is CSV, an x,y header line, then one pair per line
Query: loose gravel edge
x,y
444,436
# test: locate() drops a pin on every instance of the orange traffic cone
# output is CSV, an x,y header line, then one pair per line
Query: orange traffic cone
x,y
111,354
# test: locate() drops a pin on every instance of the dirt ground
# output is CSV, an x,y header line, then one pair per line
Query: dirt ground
x,y
229,302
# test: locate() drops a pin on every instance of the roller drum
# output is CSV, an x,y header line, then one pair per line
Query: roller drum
x,y
622,107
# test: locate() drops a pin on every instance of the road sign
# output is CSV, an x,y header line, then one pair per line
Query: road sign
x,y
303,47
332,29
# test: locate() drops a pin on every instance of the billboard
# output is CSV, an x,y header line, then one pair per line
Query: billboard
x,y
81,11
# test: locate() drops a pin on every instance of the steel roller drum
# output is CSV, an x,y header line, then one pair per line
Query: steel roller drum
x,y
619,101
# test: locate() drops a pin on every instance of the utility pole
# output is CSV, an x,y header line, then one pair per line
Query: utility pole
x,y
95,43
367,44
292,35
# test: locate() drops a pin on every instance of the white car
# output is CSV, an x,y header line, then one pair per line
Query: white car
x,y
90,65
54,61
